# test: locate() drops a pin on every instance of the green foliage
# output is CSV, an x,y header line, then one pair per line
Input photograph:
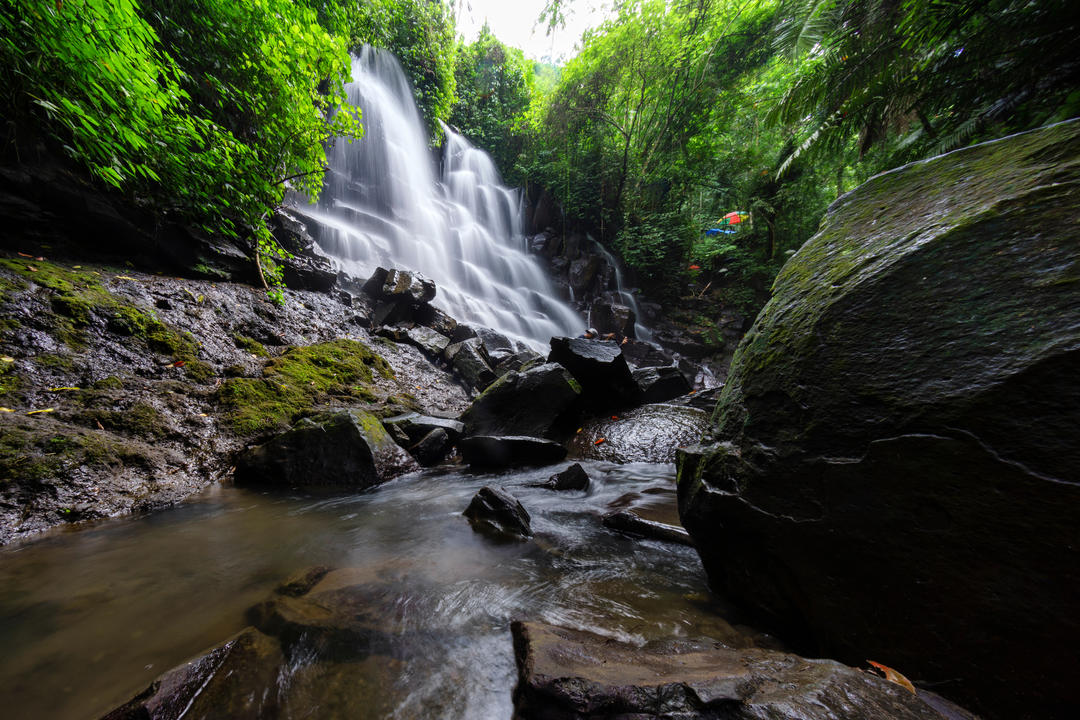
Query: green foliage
x,y
495,89
419,32
204,110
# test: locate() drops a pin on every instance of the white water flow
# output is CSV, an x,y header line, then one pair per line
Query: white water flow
x,y
385,205
641,332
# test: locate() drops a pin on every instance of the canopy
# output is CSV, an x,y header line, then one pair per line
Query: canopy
x,y
733,218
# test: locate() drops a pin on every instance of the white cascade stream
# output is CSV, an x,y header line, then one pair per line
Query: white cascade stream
x,y
385,204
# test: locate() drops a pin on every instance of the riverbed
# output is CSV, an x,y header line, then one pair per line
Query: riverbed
x,y
91,615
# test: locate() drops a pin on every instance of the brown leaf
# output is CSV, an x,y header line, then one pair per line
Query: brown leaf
x,y
894,677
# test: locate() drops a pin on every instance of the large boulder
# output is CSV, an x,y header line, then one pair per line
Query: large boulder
x,y
895,472
600,367
522,403
650,433
609,317
469,360
566,674
659,384
337,448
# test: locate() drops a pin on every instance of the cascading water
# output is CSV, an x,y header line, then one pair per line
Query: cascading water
x,y
641,332
383,205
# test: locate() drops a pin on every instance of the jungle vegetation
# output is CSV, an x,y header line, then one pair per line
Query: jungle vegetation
x,y
674,113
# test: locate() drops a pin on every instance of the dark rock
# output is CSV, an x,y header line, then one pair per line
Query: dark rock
x,y
522,359
462,332
374,284
601,369
397,333
415,426
309,268
302,582
629,522
643,354
566,674
527,403
572,478
434,318
337,448
701,399
406,284
896,465
651,433
495,343
394,310
229,681
608,317
583,272
509,451
659,384
468,360
495,509
431,342
431,448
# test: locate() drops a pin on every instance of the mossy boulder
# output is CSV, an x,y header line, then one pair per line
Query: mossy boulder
x,y
893,471
337,448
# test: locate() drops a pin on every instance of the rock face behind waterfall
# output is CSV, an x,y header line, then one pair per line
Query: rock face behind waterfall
x,y
894,471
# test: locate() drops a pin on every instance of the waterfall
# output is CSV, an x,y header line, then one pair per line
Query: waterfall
x,y
641,332
386,203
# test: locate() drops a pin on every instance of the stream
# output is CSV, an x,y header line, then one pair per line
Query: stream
x,y
90,616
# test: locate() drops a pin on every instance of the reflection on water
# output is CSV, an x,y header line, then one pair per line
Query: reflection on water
x,y
88,618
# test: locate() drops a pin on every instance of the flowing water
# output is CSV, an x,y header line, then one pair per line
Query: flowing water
x,y
89,617
386,203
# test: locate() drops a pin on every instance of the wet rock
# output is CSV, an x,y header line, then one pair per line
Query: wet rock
x,y
572,674
650,433
572,478
407,284
301,582
434,318
659,384
338,448
608,317
431,448
895,465
462,332
643,354
583,273
431,342
467,359
509,451
230,681
629,522
494,509
495,343
309,268
601,369
521,359
525,403
701,399
415,426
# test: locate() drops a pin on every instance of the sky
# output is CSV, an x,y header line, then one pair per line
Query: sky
x,y
514,23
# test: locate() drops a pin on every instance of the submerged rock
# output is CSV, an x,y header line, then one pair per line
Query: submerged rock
x,y
629,522
337,448
494,509
896,472
510,450
572,478
566,674
651,433
237,679
523,403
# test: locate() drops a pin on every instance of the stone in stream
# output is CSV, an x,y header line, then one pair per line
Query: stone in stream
x,y
650,433
522,403
235,680
495,510
572,478
601,369
431,448
336,448
566,674
509,450
896,472
630,523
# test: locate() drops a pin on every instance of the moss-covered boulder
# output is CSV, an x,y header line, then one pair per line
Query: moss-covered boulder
x,y
337,448
894,472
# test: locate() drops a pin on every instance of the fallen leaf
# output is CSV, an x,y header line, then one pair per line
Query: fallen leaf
x,y
5,358
76,267
22,254
4,409
46,410
99,425
178,363
579,430
614,417
125,277
31,268
691,392
600,441
40,259
62,389
894,677
202,415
